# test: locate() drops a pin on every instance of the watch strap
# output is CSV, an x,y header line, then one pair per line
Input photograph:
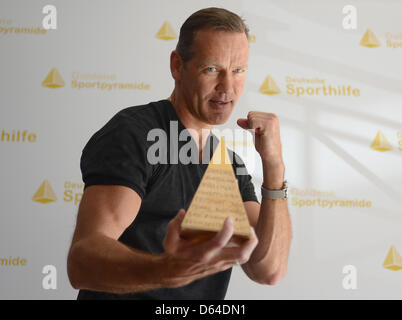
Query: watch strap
x,y
275,194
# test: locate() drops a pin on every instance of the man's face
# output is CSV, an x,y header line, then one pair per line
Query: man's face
x,y
213,79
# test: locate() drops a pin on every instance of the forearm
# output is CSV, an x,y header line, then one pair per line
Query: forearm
x,y
101,263
268,262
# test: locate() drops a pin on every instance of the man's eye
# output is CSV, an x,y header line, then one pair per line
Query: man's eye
x,y
239,70
211,69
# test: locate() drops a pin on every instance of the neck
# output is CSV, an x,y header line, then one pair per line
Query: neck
x,y
189,121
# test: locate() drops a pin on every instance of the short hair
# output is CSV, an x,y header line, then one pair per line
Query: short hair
x,y
210,18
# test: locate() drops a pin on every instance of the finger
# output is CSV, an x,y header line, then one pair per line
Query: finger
x,y
173,229
217,268
255,123
248,247
264,121
240,254
225,265
207,272
238,240
212,247
241,240
243,123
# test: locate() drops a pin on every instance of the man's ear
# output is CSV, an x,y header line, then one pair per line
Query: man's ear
x,y
176,65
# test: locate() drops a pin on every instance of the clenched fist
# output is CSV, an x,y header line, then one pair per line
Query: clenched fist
x,y
267,141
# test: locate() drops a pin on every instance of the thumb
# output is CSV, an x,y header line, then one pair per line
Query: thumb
x,y
243,123
178,219
180,215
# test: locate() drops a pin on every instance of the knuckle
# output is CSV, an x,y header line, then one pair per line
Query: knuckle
x,y
251,115
275,117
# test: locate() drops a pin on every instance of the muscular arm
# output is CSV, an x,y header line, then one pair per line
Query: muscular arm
x,y
268,262
271,220
96,260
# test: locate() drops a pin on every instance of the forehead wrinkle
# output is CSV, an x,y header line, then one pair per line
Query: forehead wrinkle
x,y
207,45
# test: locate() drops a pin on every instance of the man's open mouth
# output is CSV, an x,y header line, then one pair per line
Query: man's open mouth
x,y
219,103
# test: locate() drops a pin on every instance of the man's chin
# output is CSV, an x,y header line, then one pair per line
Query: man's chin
x,y
218,120
219,117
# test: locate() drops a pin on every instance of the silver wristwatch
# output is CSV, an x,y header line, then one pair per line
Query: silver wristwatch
x,y
276,194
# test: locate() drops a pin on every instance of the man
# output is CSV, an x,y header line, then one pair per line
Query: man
x,y
127,242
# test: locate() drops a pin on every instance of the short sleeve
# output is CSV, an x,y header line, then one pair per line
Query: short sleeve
x,y
117,155
246,186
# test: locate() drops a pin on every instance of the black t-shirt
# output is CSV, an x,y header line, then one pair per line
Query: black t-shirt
x,y
117,155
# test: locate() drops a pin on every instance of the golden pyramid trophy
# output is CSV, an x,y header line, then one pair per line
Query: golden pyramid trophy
x,y
217,197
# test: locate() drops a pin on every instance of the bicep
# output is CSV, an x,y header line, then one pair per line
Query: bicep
x,y
106,209
253,211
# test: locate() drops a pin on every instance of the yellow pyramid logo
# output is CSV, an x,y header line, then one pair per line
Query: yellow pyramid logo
x,y
166,32
393,261
369,40
216,198
380,143
269,86
45,193
53,79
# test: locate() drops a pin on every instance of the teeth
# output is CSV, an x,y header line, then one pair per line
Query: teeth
x,y
218,102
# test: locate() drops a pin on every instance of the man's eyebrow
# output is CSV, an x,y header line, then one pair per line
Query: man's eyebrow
x,y
215,64
209,63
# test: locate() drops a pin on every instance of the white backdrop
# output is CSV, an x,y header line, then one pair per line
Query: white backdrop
x,y
338,100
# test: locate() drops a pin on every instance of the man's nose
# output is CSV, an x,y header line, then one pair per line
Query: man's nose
x,y
225,84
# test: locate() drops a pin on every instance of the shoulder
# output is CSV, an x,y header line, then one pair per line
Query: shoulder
x,y
147,116
133,122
